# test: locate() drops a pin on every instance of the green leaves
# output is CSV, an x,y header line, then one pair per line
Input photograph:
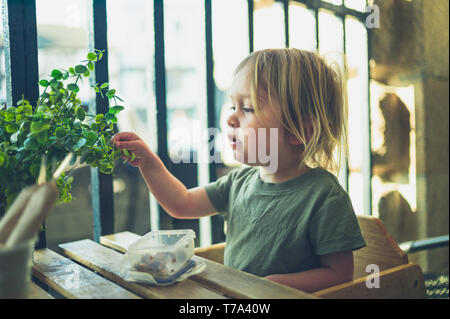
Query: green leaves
x,y
92,56
80,113
73,87
56,74
56,125
3,159
44,83
110,94
91,138
80,69
116,109
99,118
60,132
37,127
111,117
31,144
11,128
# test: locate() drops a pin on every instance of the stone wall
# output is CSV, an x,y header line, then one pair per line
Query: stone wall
x,y
412,47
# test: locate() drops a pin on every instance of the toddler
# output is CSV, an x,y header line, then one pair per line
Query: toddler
x,y
288,218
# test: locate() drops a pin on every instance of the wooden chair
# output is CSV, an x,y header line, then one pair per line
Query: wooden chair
x,y
397,278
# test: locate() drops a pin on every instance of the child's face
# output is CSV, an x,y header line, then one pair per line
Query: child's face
x,y
254,142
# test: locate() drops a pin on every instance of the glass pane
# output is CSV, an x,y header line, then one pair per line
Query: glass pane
x,y
55,21
358,117
230,46
268,20
131,73
302,27
331,36
331,47
184,33
62,42
2,66
335,2
230,42
359,5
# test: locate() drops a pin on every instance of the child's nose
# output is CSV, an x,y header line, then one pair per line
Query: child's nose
x,y
232,120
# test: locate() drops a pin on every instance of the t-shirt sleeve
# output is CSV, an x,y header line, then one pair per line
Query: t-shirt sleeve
x,y
219,190
334,226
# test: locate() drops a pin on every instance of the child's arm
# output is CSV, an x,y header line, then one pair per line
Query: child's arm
x,y
172,195
335,269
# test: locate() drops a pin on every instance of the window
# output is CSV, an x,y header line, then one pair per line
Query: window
x,y
268,17
171,61
358,115
302,27
55,20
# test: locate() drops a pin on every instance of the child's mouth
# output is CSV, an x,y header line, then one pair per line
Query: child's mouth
x,y
233,141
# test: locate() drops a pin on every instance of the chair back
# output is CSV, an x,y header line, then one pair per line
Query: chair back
x,y
380,250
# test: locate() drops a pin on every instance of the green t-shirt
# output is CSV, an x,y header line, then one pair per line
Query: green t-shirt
x,y
277,228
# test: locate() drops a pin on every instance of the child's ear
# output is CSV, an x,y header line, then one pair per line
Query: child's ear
x,y
293,140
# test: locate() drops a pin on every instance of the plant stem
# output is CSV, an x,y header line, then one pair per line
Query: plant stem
x,y
48,146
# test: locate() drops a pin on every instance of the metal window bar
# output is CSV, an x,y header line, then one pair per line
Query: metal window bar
x,y
160,94
21,65
339,10
217,223
250,26
21,59
286,22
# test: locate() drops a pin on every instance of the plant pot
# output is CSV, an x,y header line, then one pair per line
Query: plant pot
x,y
15,270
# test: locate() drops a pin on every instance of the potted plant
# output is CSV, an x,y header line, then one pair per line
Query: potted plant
x,y
55,125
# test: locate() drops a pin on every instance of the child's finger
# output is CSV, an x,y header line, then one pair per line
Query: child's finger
x,y
129,145
124,136
136,162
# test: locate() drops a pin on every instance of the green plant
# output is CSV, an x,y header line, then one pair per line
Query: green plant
x,y
56,125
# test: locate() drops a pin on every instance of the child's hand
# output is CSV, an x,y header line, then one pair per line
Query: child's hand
x,y
133,144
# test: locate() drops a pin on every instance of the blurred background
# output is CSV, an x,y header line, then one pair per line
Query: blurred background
x,y
396,58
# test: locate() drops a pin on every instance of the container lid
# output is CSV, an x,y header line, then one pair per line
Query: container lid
x,y
163,239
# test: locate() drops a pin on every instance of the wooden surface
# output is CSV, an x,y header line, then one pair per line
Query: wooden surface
x,y
214,252
119,241
398,279
37,292
380,249
224,280
401,282
107,262
72,280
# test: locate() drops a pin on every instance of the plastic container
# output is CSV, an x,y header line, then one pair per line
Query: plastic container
x,y
15,270
160,256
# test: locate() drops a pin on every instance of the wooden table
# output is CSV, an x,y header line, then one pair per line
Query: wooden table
x,y
86,269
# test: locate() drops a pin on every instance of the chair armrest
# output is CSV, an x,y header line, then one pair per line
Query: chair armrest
x,y
401,282
213,252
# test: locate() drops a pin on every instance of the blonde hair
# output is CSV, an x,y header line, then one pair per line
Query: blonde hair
x,y
312,100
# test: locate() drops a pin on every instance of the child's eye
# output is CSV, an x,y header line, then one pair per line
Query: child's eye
x,y
243,108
